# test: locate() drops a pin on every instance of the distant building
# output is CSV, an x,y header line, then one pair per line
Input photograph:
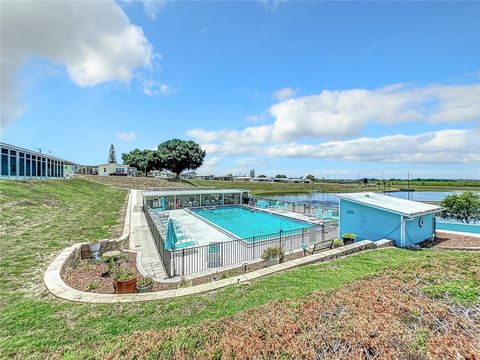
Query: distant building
x,y
242,178
163,174
188,175
21,164
113,169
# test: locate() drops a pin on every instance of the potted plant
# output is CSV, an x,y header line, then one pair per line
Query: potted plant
x,y
95,248
144,285
349,238
124,280
337,243
272,256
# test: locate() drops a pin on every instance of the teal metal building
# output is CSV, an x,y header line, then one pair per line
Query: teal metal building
x,y
373,216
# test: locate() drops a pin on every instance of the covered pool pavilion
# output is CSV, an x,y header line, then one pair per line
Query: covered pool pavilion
x,y
178,199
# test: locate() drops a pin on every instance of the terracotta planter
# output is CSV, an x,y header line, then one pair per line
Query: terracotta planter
x,y
348,241
125,287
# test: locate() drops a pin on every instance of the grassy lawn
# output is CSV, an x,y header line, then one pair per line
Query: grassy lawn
x,y
332,187
40,218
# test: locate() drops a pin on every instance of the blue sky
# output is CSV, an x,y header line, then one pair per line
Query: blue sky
x,y
336,89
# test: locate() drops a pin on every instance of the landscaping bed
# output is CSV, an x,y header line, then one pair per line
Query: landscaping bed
x,y
447,240
87,275
131,182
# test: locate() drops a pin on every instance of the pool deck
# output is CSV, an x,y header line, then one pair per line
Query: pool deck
x,y
197,229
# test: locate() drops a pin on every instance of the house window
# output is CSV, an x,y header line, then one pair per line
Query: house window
x,y
104,169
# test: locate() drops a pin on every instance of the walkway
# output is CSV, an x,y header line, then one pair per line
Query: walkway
x,y
141,239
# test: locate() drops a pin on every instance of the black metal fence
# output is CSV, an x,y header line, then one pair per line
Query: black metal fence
x,y
165,255
223,254
312,210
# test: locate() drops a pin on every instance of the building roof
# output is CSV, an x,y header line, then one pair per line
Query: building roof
x,y
391,203
36,153
192,192
114,164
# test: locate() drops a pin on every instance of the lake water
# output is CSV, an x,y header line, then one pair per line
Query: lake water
x,y
328,199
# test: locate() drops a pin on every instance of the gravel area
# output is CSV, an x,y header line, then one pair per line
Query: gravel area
x,y
446,240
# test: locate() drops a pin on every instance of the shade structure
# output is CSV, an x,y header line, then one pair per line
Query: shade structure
x,y
162,202
171,239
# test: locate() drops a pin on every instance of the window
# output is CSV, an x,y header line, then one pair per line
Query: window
x,y
104,169
21,165
43,167
4,162
13,163
34,165
350,212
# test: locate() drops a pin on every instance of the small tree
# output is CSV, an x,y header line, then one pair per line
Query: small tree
x,y
464,207
178,155
279,176
112,157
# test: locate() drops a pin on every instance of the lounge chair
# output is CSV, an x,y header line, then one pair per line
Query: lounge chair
x,y
207,202
184,204
195,203
325,244
190,204
220,202
213,203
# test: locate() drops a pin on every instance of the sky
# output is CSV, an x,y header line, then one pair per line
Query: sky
x,y
333,89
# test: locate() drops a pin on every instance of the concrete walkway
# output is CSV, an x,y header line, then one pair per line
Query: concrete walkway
x,y
141,240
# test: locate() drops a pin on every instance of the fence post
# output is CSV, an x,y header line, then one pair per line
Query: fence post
x,y
183,262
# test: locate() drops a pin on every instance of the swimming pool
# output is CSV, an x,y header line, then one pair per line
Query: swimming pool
x,y
245,223
451,226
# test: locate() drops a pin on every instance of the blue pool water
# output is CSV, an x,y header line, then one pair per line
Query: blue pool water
x,y
450,226
246,223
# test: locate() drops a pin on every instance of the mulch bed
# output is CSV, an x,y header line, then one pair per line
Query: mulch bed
x,y
446,240
89,272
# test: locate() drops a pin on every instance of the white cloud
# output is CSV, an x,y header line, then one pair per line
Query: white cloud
x,y
154,87
345,113
153,7
94,41
335,114
284,94
126,136
444,146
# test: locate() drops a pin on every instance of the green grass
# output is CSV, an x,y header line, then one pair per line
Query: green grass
x,y
40,218
332,187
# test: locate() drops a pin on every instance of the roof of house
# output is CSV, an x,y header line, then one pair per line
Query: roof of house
x,y
113,164
391,203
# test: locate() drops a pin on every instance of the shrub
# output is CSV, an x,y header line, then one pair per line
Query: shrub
x,y
124,274
349,236
144,282
91,286
337,243
272,253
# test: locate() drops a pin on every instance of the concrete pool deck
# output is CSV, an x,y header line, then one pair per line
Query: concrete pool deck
x,y
198,230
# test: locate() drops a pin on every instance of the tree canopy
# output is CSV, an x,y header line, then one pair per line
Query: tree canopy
x,y
112,157
177,155
310,177
464,207
144,160
281,176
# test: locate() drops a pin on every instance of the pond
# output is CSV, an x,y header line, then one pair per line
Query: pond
x,y
329,199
